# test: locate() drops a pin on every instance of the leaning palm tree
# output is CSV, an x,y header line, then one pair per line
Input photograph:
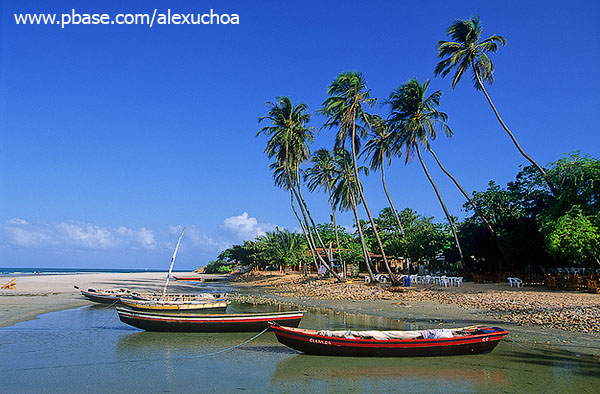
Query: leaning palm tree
x,y
283,180
467,51
414,117
288,145
345,196
344,109
320,176
380,149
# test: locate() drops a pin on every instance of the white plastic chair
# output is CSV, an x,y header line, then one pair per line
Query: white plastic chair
x,y
515,282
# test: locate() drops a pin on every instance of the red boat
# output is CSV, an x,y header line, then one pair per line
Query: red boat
x,y
204,322
390,343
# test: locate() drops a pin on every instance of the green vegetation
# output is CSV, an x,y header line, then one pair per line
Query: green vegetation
x,y
545,217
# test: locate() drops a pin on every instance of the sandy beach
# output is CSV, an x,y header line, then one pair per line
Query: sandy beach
x,y
568,320
37,294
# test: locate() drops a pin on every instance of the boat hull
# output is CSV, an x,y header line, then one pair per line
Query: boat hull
x,y
223,322
188,278
105,297
167,306
307,341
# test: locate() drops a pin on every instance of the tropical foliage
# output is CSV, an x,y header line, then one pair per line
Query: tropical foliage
x,y
548,216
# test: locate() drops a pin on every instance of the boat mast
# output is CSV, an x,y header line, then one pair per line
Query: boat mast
x,y
172,261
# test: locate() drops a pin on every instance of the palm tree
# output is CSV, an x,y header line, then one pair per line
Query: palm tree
x,y
321,175
344,108
467,51
283,180
415,118
380,148
288,145
345,196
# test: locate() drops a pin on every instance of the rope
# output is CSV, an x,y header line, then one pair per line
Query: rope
x,y
135,360
111,315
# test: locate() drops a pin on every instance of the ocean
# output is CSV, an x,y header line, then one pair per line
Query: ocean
x,y
4,271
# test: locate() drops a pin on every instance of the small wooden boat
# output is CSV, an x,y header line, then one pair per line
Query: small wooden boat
x,y
165,305
106,296
390,343
224,322
189,278
181,297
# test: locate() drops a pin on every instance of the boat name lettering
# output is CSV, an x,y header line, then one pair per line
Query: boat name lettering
x,y
322,342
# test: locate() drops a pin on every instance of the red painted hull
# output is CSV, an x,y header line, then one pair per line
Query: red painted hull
x,y
481,340
223,322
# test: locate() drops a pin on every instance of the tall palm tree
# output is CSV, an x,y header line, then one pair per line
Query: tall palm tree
x,y
321,175
380,149
414,117
288,145
345,196
283,180
344,109
467,51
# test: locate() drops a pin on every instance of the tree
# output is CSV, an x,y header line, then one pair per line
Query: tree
x,y
516,230
574,238
345,196
380,149
288,145
467,51
414,116
344,109
321,175
285,249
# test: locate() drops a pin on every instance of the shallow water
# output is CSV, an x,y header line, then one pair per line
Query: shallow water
x,y
88,350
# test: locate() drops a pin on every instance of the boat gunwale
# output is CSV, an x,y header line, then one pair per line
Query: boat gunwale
x,y
306,335
189,318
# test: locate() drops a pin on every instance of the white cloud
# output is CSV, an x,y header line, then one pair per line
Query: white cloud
x,y
76,235
246,227
197,239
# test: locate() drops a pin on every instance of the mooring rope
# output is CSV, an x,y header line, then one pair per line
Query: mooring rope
x,y
111,315
135,360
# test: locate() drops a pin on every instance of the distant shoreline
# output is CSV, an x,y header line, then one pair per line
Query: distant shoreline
x,y
22,271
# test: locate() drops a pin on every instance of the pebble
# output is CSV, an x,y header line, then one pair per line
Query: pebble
x,y
569,311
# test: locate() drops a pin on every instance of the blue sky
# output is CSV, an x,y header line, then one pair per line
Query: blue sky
x,y
114,137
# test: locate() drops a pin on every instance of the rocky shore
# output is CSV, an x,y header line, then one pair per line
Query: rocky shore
x,y
569,311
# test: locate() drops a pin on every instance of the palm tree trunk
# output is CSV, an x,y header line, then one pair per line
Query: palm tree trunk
x,y
390,200
337,238
310,245
304,208
361,236
477,211
437,192
359,187
511,135
464,192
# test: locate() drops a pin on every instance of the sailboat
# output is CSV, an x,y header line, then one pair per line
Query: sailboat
x,y
176,302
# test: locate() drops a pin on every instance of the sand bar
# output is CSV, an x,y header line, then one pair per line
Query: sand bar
x,y
37,294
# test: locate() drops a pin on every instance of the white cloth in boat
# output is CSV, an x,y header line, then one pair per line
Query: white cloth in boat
x,y
383,335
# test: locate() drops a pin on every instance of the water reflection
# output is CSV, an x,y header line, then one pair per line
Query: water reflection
x,y
62,347
302,367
